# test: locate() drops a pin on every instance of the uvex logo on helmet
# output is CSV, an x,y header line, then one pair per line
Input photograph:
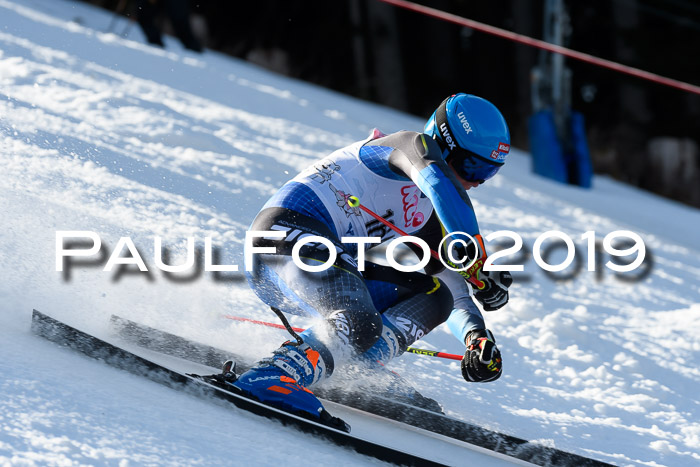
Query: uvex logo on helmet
x,y
447,136
464,122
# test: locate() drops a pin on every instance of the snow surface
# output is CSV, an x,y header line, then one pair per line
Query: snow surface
x,y
106,134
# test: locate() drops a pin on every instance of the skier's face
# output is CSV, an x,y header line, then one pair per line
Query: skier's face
x,y
465,183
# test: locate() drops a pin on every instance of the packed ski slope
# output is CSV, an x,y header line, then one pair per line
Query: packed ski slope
x,y
105,134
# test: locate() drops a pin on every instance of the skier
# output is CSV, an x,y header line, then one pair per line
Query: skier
x,y
418,183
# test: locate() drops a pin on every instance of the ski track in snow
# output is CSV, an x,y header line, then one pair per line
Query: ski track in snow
x,y
106,134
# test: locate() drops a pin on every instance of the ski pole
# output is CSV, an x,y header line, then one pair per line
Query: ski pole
x,y
262,323
434,353
354,201
429,353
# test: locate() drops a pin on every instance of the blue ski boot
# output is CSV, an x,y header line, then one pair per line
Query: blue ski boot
x,y
282,381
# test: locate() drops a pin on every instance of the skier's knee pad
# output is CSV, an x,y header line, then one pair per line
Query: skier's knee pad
x,y
343,334
390,344
357,328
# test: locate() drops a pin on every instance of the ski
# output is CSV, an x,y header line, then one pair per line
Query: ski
x,y
436,422
173,345
170,344
91,346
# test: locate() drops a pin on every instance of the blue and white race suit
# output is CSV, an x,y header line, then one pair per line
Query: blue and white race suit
x,y
379,312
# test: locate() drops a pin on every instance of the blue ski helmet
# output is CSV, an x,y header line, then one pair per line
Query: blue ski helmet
x,y
472,134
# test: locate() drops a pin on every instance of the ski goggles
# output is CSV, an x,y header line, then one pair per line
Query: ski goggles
x,y
472,167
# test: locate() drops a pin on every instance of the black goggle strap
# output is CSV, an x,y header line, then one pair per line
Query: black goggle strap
x,y
440,121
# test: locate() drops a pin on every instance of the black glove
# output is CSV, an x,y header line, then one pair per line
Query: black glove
x,y
494,293
482,360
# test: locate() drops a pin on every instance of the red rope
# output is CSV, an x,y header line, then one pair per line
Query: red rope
x,y
601,62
